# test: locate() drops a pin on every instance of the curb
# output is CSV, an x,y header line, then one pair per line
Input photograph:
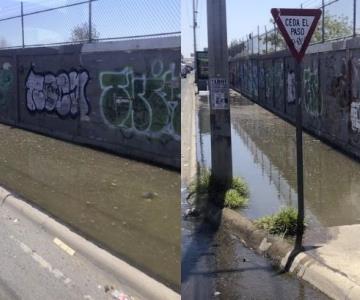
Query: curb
x,y
146,286
334,284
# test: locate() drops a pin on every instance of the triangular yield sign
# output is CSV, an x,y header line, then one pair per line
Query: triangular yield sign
x,y
297,27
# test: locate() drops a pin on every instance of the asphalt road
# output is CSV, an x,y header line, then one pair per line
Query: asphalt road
x,y
33,267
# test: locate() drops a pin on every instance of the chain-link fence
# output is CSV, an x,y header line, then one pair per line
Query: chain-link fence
x,y
339,20
51,22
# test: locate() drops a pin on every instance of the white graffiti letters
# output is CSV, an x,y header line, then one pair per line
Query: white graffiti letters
x,y
63,93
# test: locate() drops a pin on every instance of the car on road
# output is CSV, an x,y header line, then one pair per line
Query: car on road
x,y
183,70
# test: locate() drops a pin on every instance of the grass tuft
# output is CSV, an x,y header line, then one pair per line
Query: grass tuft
x,y
233,199
282,223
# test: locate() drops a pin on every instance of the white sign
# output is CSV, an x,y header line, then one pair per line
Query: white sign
x,y
297,28
219,93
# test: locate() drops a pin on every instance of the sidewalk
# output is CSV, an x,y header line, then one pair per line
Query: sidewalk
x,y
42,259
188,131
330,263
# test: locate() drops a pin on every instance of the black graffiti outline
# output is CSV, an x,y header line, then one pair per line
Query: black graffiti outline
x,y
54,110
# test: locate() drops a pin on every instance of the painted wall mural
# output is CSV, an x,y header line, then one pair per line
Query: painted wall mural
x,y
63,93
6,80
142,103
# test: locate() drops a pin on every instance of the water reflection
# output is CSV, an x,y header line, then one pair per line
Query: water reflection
x,y
264,154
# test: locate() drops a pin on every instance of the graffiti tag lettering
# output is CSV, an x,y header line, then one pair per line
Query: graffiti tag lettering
x,y
312,96
142,103
64,93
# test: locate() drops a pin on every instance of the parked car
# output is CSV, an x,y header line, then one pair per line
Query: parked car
x,y
183,70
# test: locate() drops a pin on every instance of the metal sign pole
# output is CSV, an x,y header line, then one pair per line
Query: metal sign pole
x,y
299,159
297,26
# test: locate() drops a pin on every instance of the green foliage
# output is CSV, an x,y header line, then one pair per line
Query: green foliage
x,y
236,46
240,186
335,27
202,183
284,222
233,199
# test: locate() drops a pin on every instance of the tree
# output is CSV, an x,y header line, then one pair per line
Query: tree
x,y
236,46
81,33
335,27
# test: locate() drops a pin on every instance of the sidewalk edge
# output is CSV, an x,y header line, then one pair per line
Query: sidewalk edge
x,y
334,284
145,285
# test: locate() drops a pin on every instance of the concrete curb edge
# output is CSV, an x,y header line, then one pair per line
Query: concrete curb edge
x,y
334,284
146,286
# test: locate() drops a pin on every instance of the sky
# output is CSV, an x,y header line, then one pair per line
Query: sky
x,y
112,18
243,17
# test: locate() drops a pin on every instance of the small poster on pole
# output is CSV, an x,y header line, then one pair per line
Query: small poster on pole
x,y
219,97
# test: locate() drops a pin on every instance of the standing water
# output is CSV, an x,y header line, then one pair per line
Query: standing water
x,y
264,154
128,207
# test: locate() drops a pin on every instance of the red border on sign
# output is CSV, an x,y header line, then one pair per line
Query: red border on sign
x,y
277,12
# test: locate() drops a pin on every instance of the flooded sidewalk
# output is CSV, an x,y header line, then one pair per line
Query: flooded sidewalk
x,y
215,263
129,208
264,154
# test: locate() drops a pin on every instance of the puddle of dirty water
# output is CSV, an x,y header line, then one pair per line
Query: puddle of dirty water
x,y
128,207
264,154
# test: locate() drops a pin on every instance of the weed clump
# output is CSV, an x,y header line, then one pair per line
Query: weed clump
x,y
235,197
282,223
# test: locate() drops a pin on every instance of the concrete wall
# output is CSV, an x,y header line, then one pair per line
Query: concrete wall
x,y
330,88
119,96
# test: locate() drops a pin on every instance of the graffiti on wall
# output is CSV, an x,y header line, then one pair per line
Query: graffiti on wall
x,y
250,78
339,81
6,79
291,87
355,94
355,116
146,103
63,93
278,81
312,96
269,83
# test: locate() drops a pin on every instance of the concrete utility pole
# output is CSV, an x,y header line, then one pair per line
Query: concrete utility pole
x,y
194,34
221,158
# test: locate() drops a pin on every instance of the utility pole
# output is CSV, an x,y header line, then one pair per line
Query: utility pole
x,y
220,125
194,34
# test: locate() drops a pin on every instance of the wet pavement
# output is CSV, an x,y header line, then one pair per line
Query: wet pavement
x,y
127,207
215,264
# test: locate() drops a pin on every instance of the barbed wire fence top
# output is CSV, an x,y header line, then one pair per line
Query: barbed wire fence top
x,y
49,22
339,20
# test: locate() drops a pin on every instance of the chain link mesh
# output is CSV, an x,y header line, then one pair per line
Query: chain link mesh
x,y
340,19
72,21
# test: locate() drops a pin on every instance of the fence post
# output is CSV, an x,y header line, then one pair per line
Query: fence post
x,y
323,21
266,41
275,36
22,24
90,21
258,38
354,21
252,43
